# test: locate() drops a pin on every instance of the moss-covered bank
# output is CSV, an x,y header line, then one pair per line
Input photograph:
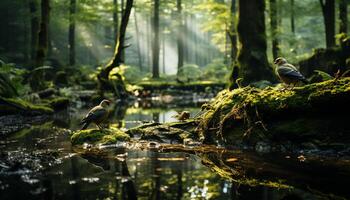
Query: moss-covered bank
x,y
313,112
19,106
312,116
95,136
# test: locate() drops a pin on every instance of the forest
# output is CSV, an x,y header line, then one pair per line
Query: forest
x,y
174,99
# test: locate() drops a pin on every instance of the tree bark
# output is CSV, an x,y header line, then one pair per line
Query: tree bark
x,y
43,33
292,16
274,28
71,34
34,26
343,16
328,11
252,58
115,20
180,49
232,33
155,52
117,60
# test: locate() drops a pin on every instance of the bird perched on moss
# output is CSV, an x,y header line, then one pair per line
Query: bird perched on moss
x,y
182,115
97,115
288,73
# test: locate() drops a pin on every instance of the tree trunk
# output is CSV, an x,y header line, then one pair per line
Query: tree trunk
x,y
34,26
252,58
328,11
343,16
115,20
117,60
274,28
71,34
43,33
292,22
180,49
232,33
138,41
155,55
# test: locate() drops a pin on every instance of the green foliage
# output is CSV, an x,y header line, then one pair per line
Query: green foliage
x,y
216,71
189,72
216,19
11,80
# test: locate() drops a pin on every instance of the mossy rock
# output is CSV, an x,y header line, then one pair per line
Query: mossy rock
x,y
19,106
94,136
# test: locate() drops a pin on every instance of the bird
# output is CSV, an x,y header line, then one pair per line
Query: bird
x,y
97,115
288,73
182,116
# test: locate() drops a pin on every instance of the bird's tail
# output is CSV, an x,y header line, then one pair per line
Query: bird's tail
x,y
86,124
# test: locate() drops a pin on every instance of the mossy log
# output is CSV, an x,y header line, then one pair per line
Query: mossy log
x,y
94,136
328,60
167,132
316,111
19,106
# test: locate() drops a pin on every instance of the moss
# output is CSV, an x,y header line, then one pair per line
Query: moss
x,y
93,136
19,106
251,107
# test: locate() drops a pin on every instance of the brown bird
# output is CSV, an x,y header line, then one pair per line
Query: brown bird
x,y
184,115
288,73
97,115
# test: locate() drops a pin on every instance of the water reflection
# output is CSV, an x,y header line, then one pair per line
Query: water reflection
x,y
156,172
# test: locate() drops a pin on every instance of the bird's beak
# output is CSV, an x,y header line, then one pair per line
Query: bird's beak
x,y
275,62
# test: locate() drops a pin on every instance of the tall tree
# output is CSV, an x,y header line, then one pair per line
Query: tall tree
x,y
180,49
232,32
43,33
292,17
252,59
328,11
156,47
71,33
274,28
115,20
117,59
34,28
343,16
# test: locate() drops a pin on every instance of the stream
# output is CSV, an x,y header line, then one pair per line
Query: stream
x,y
38,162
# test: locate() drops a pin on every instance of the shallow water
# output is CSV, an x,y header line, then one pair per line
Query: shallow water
x,y
49,168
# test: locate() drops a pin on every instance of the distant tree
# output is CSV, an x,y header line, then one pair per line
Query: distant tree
x,y
180,36
292,16
138,40
71,32
43,33
274,28
328,11
252,59
156,46
34,29
115,20
232,32
117,59
343,16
